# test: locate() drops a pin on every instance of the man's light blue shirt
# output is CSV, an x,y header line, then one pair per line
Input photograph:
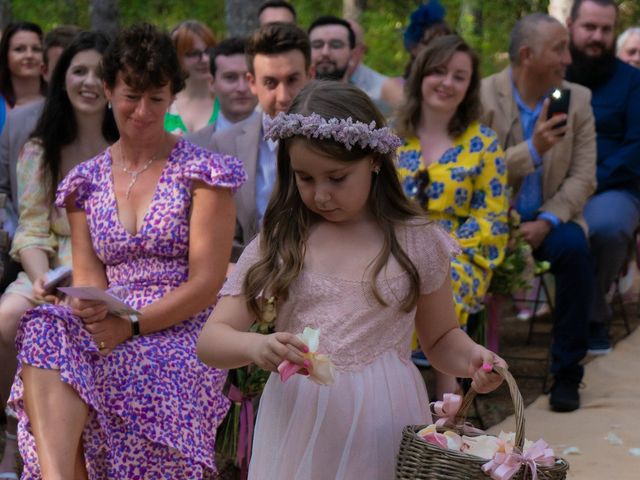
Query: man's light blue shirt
x,y
529,198
266,172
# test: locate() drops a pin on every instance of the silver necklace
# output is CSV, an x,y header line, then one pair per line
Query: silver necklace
x,y
133,173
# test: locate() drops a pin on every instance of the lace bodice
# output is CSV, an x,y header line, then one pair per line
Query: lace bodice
x,y
355,327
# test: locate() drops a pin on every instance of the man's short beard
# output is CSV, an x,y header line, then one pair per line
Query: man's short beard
x,y
591,71
337,74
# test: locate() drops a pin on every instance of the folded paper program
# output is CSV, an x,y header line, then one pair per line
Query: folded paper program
x,y
322,370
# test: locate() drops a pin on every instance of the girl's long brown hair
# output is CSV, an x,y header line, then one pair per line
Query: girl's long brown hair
x,y
287,219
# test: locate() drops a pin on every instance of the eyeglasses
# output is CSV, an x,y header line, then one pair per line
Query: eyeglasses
x,y
195,53
333,44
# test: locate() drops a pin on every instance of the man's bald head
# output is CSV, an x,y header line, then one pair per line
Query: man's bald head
x,y
527,33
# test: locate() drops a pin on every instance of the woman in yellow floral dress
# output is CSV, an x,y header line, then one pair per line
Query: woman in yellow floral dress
x,y
454,167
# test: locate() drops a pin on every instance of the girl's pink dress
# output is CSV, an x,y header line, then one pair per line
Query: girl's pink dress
x,y
352,428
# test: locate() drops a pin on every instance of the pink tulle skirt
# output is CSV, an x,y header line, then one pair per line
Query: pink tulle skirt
x,y
348,430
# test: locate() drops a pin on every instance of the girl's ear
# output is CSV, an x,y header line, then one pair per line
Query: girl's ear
x,y
375,166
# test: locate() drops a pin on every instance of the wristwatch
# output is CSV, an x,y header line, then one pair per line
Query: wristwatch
x,y
135,325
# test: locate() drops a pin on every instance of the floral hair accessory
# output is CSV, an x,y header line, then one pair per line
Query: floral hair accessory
x,y
422,18
345,131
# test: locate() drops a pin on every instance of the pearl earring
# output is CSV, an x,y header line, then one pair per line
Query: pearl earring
x,y
109,105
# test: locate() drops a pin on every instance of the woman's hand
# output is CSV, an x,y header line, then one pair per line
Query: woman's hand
x,y
42,294
482,361
109,332
90,311
269,351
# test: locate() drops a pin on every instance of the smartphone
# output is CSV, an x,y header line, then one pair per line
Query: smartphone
x,y
559,103
56,277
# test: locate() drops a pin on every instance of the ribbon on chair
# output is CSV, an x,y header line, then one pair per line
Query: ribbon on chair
x,y
245,434
504,466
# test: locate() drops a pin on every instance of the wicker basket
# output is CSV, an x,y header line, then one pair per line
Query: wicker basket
x,y
420,460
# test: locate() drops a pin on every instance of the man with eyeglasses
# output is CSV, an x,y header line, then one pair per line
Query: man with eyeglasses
x,y
332,46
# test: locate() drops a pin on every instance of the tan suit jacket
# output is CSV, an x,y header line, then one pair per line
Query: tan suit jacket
x,y
569,167
241,140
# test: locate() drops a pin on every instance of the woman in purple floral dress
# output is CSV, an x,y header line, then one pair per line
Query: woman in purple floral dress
x,y
106,397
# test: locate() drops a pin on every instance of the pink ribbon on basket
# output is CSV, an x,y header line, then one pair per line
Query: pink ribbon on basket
x,y
245,434
504,466
447,409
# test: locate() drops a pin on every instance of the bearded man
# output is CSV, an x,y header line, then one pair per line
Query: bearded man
x,y
613,213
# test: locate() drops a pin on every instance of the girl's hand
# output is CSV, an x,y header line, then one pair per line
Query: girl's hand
x,y
482,361
90,311
271,350
109,332
40,293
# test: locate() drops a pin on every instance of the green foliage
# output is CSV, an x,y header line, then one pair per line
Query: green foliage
x,y
486,24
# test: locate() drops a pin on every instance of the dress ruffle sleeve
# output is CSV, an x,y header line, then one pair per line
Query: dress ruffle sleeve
x,y
250,255
431,249
217,170
79,182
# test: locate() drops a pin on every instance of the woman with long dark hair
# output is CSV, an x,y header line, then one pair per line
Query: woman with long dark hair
x,y
21,64
75,125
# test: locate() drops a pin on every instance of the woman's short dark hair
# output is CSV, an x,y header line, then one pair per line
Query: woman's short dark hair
x,y
146,58
6,84
437,54
57,125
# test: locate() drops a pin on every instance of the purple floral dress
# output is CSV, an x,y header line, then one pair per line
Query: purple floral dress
x,y
154,407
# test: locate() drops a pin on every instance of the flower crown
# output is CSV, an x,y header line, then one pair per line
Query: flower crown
x,y
348,132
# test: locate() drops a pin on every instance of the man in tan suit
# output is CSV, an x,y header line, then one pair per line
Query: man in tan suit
x,y
279,60
551,169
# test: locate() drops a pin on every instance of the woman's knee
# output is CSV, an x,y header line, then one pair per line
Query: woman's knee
x,y
12,307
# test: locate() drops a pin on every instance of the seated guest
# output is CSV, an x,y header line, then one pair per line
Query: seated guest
x,y
231,87
276,11
551,168
279,61
21,80
333,43
426,23
74,126
195,106
613,212
628,46
20,123
107,395
454,167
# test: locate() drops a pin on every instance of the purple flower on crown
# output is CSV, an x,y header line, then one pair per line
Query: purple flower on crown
x,y
345,131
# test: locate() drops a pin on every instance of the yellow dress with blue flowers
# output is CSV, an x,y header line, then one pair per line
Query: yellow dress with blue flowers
x,y
467,194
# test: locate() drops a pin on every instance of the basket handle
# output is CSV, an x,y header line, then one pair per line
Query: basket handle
x,y
516,398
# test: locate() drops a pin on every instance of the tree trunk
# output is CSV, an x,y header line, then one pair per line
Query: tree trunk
x,y
241,17
5,13
352,9
470,23
104,16
560,9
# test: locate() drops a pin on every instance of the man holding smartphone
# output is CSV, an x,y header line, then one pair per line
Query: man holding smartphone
x,y
613,213
550,159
